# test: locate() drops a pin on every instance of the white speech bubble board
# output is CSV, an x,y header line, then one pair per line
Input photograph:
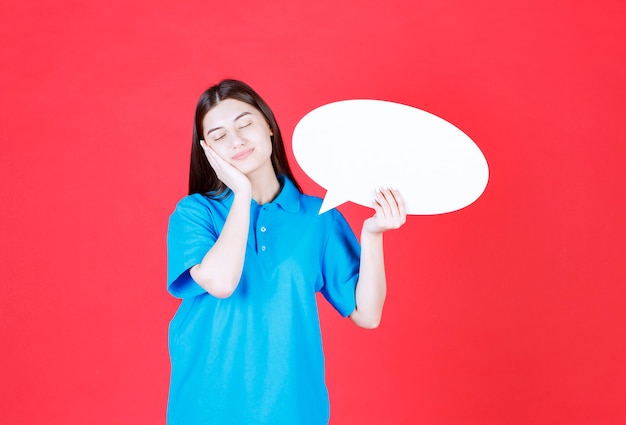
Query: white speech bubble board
x,y
353,147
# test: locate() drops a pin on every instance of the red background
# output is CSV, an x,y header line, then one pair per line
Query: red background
x,y
510,311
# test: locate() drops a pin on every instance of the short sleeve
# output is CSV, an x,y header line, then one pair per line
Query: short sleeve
x,y
190,235
340,266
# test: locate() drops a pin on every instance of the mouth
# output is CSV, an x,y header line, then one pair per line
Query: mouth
x,y
243,154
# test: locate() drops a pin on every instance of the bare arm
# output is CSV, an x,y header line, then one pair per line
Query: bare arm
x,y
371,288
220,270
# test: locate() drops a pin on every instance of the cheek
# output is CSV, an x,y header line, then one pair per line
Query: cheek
x,y
268,139
267,146
221,149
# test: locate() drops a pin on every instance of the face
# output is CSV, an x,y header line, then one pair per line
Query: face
x,y
239,133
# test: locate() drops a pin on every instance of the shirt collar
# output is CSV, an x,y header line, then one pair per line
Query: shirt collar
x,y
289,197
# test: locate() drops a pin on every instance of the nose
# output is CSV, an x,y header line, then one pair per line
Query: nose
x,y
238,140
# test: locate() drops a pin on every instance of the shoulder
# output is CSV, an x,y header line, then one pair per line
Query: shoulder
x,y
310,203
190,205
198,208
195,200
199,202
310,206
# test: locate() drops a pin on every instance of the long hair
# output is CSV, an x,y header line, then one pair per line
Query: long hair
x,y
202,177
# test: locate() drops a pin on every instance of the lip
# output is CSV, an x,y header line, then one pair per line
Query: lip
x,y
243,154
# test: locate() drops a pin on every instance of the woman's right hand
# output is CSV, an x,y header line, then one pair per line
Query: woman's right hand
x,y
226,172
220,271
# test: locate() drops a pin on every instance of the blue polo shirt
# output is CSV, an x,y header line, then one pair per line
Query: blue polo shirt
x,y
256,357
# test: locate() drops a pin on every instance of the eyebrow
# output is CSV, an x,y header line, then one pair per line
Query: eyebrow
x,y
243,114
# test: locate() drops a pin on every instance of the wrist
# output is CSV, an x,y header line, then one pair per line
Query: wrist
x,y
242,195
370,234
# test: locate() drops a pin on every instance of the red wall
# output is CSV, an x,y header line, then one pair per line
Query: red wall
x,y
510,311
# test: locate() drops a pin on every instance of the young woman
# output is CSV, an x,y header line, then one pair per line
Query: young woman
x,y
247,252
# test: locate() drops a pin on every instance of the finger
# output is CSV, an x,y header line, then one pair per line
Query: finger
x,y
207,150
378,214
394,208
400,201
211,156
383,202
398,209
222,168
378,209
215,158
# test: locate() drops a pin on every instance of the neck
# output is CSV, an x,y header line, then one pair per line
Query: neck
x,y
264,188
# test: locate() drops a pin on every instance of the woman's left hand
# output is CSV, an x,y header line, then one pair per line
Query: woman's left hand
x,y
390,212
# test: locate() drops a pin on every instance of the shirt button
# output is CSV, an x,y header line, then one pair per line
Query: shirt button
x,y
263,229
263,248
